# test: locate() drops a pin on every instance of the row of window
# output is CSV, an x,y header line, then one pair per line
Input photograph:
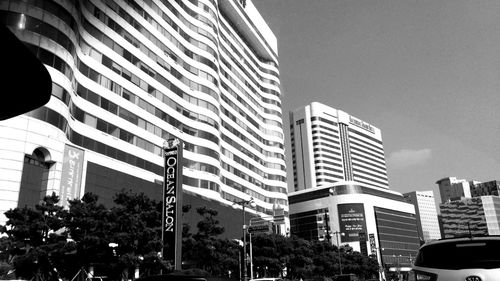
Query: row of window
x,y
369,163
123,52
252,193
369,168
225,23
252,180
370,181
98,78
181,4
317,130
147,86
113,130
256,158
251,167
246,60
324,150
24,22
368,147
359,156
355,132
105,126
250,118
355,145
127,115
231,31
245,80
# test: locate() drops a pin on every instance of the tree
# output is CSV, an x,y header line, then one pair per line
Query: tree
x,y
205,251
136,228
88,225
35,240
133,224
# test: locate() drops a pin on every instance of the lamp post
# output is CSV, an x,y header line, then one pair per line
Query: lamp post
x,y
243,204
251,248
337,233
398,269
378,252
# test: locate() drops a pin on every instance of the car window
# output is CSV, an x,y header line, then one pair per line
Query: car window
x,y
460,255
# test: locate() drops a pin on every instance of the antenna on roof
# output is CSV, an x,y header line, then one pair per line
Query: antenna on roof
x,y
470,232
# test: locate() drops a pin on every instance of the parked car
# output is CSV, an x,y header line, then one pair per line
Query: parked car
x,y
464,259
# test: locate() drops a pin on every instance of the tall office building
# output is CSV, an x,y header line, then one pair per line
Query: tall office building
x,y
426,214
128,75
329,145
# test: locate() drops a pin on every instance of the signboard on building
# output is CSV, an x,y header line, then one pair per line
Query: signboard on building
x,y
279,215
71,175
262,228
373,245
362,244
352,221
172,202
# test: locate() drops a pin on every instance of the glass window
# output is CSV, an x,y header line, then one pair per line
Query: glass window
x,y
93,97
113,130
90,120
113,108
102,126
94,75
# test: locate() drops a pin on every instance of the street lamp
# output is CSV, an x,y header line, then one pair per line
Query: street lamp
x,y
337,233
250,235
378,255
243,204
398,269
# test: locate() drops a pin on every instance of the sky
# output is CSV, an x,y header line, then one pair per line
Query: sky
x,y
425,72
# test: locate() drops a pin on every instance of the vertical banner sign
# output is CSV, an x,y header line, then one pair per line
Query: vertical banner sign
x,y
172,202
71,175
362,244
373,246
352,221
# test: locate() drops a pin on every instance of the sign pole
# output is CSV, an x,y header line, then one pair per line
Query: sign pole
x,y
172,202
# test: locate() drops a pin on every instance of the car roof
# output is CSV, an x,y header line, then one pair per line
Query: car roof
x,y
462,239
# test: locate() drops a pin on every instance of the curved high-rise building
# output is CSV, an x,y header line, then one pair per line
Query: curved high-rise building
x,y
128,75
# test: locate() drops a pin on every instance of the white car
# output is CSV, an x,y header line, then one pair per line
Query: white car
x,y
459,259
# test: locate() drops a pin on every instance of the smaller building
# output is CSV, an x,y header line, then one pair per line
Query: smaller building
x,y
374,221
426,214
476,216
452,188
486,188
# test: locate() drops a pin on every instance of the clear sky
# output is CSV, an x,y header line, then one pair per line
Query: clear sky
x,y
425,72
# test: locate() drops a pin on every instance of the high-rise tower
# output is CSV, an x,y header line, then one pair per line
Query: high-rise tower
x,y
329,145
128,75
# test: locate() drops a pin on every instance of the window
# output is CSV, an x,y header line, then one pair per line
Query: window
x,y
90,120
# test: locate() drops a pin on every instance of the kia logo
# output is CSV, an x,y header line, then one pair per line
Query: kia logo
x,y
473,278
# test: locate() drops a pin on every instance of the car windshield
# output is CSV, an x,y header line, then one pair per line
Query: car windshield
x,y
460,255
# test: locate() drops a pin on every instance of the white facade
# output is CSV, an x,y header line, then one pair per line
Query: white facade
x,y
128,77
491,206
427,215
329,145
